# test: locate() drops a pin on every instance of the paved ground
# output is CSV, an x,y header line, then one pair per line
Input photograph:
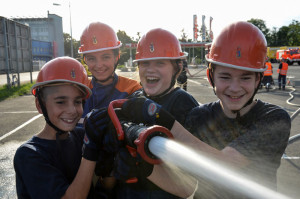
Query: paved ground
x,y
19,121
24,77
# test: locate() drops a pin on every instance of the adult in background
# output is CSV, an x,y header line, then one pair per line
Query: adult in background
x,y
268,78
282,72
182,78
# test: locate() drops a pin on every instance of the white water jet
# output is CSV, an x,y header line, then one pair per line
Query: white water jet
x,y
201,166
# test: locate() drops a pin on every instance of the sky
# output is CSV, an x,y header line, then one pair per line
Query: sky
x,y
134,16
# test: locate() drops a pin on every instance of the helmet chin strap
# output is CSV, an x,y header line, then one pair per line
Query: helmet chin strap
x,y
58,133
163,93
45,113
111,76
173,81
237,112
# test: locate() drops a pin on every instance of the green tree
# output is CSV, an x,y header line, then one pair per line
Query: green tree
x,y
184,37
285,36
282,36
261,24
124,52
138,36
67,46
293,34
273,37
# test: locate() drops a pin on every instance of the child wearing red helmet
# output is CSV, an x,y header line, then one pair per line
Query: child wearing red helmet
x,y
50,164
250,135
159,57
100,50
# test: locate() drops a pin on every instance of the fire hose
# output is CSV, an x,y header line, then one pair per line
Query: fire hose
x,y
136,136
148,141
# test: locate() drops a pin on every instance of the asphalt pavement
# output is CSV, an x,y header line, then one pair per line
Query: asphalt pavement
x,y
24,77
19,120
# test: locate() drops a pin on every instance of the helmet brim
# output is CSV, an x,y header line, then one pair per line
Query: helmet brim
x,y
157,58
235,66
100,49
87,90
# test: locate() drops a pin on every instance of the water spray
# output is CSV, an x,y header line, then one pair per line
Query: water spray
x,y
155,144
202,167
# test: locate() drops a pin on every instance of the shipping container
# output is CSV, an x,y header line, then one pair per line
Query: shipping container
x,y
15,47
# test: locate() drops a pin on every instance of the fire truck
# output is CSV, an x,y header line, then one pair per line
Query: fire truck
x,y
291,55
271,53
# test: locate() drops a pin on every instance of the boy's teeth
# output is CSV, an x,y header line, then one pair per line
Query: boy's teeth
x,y
68,120
151,78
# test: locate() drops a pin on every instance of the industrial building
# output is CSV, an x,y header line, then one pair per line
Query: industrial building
x,y
44,29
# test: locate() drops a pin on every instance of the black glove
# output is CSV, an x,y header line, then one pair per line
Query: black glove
x,y
104,164
110,147
126,166
95,124
143,110
110,141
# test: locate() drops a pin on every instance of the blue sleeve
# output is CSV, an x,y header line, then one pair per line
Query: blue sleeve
x,y
36,177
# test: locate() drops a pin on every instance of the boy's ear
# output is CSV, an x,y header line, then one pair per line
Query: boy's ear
x,y
209,76
38,106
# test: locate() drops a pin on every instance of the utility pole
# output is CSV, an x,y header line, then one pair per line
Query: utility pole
x,y
71,30
56,4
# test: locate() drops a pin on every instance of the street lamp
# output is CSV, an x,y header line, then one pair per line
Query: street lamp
x,y
71,30
56,4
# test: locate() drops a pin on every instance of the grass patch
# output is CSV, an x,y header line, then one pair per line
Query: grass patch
x,y
6,92
120,67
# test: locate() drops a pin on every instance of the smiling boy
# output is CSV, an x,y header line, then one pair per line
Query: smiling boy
x,y
50,164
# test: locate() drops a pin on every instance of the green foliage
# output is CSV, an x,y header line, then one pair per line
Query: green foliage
x,y
285,36
6,92
123,37
120,66
125,52
184,36
67,46
282,39
294,34
261,24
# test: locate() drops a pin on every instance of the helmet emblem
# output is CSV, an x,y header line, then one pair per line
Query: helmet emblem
x,y
73,74
151,47
95,40
238,52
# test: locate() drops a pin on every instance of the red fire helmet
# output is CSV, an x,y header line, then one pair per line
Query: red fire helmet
x,y
240,45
